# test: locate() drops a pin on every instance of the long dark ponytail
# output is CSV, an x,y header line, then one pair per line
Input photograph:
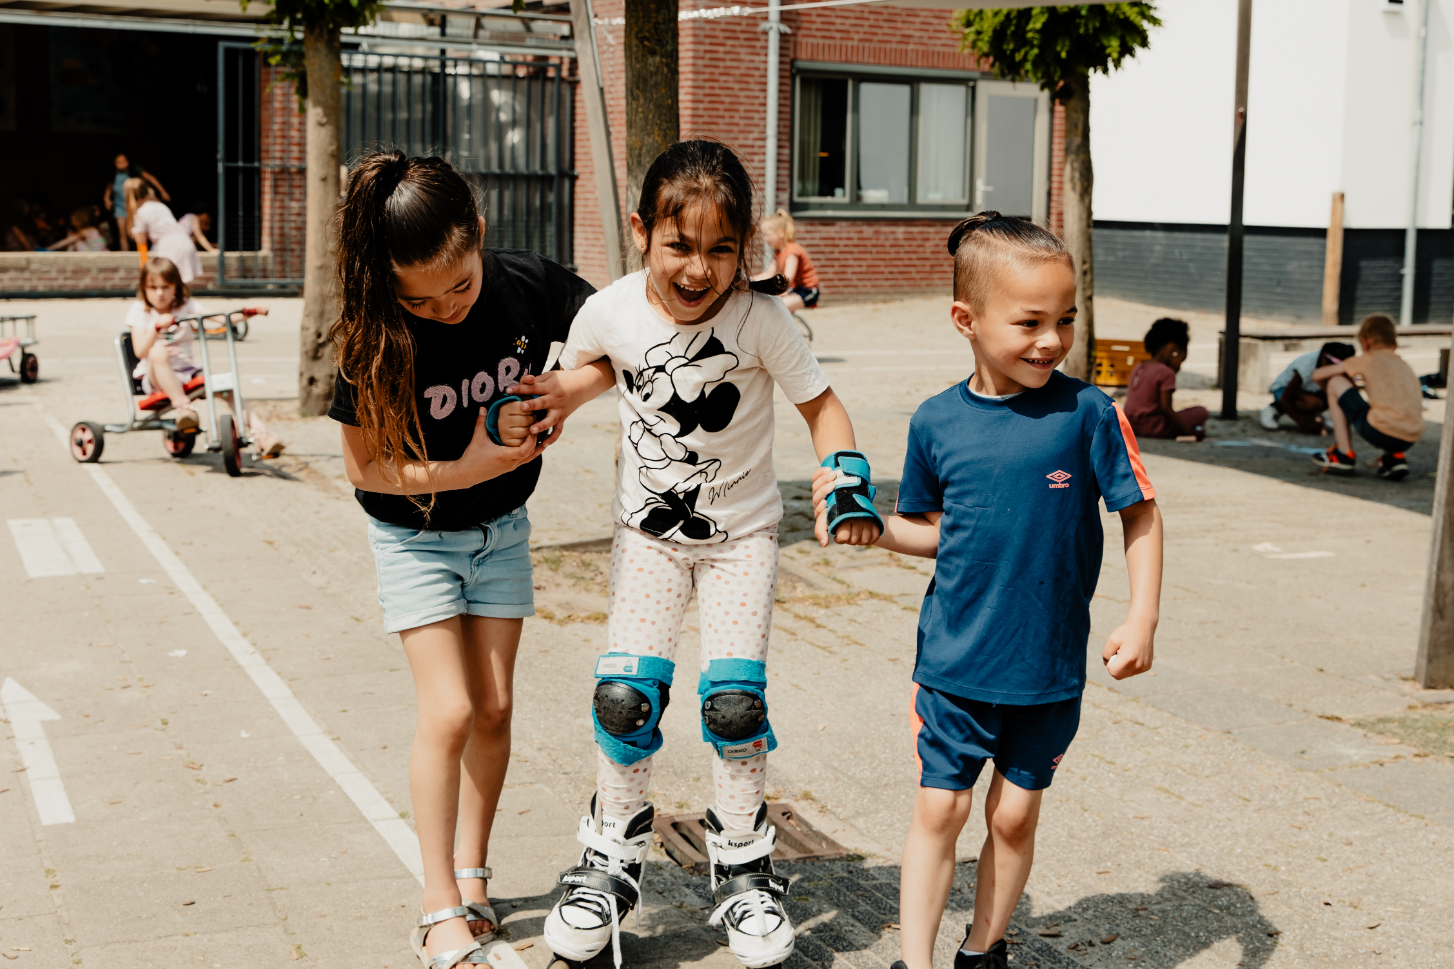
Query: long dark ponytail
x,y
399,213
692,172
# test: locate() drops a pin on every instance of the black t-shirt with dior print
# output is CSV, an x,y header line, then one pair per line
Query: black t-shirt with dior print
x,y
461,368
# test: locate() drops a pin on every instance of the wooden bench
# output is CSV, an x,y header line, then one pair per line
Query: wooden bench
x,y
1256,347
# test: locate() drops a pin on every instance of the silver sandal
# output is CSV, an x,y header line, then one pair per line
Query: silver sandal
x,y
472,954
480,912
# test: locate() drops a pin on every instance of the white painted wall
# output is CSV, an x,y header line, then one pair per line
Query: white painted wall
x,y
1330,101
1161,126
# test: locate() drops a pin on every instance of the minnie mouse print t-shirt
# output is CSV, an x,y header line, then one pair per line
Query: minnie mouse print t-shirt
x,y
696,408
461,368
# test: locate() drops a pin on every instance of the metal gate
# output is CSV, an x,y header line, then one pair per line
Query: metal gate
x,y
506,125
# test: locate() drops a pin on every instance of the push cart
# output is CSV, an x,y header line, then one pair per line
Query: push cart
x,y
155,412
17,336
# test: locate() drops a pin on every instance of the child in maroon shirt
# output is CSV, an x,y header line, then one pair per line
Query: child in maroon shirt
x,y
1148,398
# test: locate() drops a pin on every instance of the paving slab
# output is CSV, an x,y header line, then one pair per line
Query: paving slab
x,y
1421,787
1314,744
1226,709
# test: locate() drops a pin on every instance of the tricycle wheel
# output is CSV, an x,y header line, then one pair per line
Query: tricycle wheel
x,y
231,446
87,441
29,368
239,328
803,328
179,444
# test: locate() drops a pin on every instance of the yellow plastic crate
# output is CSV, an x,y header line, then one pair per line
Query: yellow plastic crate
x,y
1115,359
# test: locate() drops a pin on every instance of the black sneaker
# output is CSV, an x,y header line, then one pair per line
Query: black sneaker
x,y
1334,461
1393,466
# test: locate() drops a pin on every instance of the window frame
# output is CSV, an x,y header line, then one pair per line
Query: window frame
x,y
855,75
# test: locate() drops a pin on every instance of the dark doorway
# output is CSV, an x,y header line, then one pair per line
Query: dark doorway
x,y
83,95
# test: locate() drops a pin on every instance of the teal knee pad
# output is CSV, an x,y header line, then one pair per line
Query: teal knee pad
x,y
631,693
734,708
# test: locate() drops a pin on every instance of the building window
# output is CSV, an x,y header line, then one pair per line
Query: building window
x,y
874,141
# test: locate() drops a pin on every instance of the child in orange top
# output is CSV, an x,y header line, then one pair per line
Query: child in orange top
x,y
1391,419
791,261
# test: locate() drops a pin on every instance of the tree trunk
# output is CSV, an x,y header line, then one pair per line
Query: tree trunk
x,y
1077,224
652,120
324,121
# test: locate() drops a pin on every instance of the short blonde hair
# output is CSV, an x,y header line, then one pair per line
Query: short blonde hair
x,y
983,243
1379,329
782,223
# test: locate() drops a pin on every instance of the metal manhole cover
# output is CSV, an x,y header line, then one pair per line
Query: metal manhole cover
x,y
683,838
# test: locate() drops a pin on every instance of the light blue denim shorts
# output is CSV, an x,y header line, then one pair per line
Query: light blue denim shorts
x,y
426,576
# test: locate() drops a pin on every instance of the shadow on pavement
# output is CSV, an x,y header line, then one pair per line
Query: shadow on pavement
x,y
1271,454
846,913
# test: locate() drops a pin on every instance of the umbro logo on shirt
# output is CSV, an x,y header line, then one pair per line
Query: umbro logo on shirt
x,y
1058,479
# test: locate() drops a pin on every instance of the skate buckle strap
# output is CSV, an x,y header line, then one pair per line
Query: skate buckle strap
x,y
725,854
751,881
631,852
600,881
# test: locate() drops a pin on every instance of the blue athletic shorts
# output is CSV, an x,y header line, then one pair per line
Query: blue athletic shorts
x,y
953,737
426,576
1355,408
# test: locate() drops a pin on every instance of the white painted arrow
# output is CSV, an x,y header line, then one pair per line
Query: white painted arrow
x,y
26,713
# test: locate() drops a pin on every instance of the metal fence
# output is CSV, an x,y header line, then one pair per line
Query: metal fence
x,y
261,174
506,125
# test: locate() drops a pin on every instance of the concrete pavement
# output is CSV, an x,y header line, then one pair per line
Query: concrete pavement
x,y
1212,813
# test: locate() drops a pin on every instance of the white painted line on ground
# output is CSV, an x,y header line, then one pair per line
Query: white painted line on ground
x,y
53,546
40,550
77,548
374,807
26,713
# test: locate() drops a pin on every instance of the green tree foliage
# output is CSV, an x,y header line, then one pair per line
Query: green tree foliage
x,y
296,17
1052,45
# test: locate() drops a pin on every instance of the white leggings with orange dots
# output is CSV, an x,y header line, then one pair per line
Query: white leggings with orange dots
x,y
651,582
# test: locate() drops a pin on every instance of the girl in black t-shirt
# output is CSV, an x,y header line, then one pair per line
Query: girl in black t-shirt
x,y
433,333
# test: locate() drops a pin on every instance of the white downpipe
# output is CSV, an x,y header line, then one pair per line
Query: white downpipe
x,y
769,169
1411,236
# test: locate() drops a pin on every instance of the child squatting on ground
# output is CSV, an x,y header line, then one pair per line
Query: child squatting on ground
x,y
434,330
1148,398
1000,485
1391,419
163,349
790,261
694,350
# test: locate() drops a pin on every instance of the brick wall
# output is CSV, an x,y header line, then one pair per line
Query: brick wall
x,y
45,272
283,151
723,93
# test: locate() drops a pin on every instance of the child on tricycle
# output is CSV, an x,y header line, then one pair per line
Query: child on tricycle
x,y
163,348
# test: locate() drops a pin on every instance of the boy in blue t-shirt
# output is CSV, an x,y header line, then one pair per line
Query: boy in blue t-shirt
x,y
1000,485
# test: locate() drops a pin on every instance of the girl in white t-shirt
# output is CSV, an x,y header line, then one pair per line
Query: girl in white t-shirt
x,y
695,350
154,226
164,349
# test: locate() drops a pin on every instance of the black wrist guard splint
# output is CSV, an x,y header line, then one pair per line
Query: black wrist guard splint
x,y
852,494
492,419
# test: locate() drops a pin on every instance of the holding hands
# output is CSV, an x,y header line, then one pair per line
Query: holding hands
x,y
851,531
